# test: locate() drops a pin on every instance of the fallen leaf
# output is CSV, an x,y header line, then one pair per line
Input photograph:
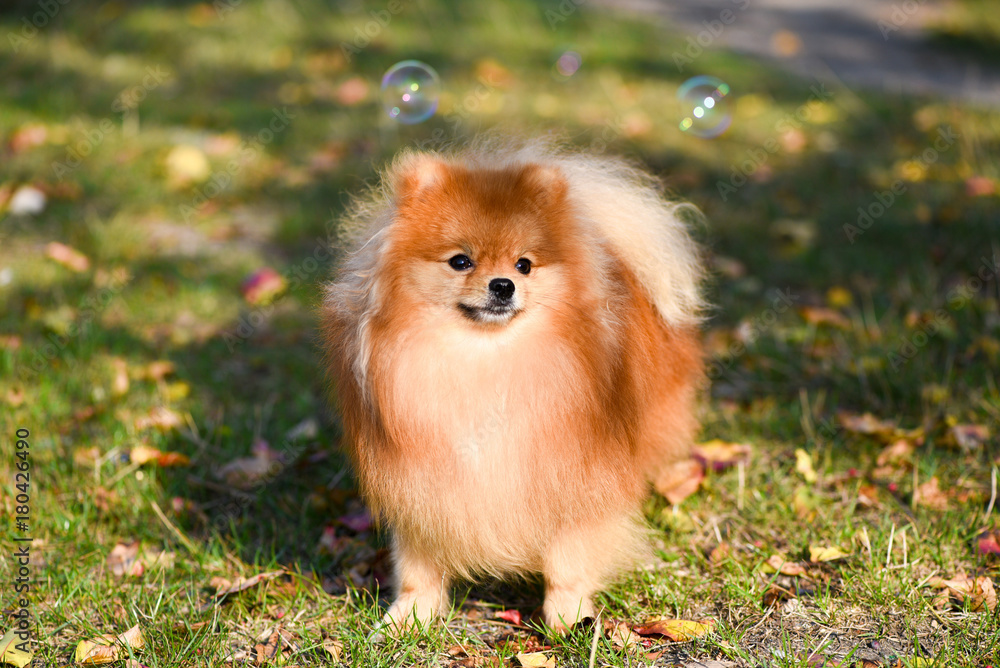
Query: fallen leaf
x,y
719,553
123,560
865,424
186,165
242,584
680,480
9,653
988,542
262,286
158,370
536,660
899,453
929,495
720,454
623,637
779,563
821,553
86,456
512,616
268,649
120,384
678,630
352,92
68,257
977,592
334,648
804,465
15,396
161,418
245,472
143,454
108,648
820,315
969,436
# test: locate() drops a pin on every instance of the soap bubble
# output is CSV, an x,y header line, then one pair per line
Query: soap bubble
x,y
567,65
410,91
705,106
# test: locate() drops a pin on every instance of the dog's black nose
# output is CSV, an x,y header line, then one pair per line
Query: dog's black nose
x,y
502,288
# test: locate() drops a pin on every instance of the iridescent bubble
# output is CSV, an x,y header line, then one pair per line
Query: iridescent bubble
x,y
410,91
567,65
704,106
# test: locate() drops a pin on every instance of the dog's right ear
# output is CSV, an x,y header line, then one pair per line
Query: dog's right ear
x,y
417,172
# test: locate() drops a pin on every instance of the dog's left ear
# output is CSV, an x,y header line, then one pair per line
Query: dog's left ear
x,y
417,172
547,182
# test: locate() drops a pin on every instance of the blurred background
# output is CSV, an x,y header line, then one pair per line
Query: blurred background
x,y
171,173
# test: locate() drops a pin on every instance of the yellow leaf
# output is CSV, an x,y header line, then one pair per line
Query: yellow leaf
x,y
536,660
678,630
107,648
819,553
142,454
9,653
804,465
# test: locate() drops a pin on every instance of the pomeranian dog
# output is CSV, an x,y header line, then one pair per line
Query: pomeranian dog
x,y
513,343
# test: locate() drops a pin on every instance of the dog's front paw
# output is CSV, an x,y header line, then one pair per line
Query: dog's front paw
x,y
408,610
563,609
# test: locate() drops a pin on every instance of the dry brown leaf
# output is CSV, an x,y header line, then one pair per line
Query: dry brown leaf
x,y
719,553
821,315
899,453
161,418
245,472
335,649
681,480
866,424
969,436
977,592
242,584
120,384
623,637
158,370
678,630
107,648
68,257
779,563
929,495
123,560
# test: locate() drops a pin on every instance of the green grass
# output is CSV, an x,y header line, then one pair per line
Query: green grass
x,y
164,284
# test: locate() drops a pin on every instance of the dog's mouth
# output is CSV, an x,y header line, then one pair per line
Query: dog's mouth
x,y
492,313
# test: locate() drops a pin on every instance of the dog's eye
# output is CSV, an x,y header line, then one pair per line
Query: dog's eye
x,y
460,263
523,265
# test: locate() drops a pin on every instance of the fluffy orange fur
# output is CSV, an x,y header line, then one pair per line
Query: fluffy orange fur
x,y
515,434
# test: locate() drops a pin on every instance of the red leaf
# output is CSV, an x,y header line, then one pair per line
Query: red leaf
x,y
512,616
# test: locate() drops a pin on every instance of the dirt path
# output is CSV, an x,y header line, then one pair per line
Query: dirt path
x,y
875,44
